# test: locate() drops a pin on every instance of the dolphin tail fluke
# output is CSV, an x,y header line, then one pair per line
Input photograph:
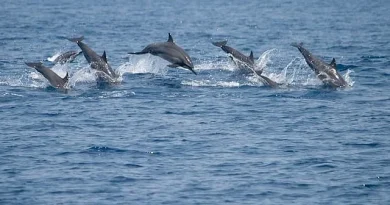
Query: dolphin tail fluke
x,y
297,45
137,53
35,65
219,43
76,40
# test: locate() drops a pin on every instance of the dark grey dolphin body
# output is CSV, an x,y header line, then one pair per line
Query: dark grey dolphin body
x,y
55,80
245,62
327,73
170,52
97,62
67,57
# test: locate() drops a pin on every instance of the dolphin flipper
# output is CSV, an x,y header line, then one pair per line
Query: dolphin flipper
x,y
173,65
220,43
176,65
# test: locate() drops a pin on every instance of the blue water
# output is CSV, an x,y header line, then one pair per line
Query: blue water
x,y
166,136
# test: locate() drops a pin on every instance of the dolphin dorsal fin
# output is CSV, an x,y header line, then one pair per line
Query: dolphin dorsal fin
x,y
66,78
251,56
333,63
104,56
170,39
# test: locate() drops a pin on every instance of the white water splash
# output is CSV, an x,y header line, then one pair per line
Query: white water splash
x,y
220,65
264,59
116,94
83,75
10,94
55,56
144,64
209,83
14,81
348,78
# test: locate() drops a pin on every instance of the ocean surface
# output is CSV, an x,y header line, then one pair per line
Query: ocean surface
x,y
166,136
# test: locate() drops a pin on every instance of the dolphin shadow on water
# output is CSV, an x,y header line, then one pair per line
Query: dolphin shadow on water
x,y
327,73
55,80
245,62
171,52
105,74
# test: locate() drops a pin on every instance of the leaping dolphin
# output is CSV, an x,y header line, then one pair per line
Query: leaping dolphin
x,y
55,80
245,62
170,52
327,73
68,56
97,62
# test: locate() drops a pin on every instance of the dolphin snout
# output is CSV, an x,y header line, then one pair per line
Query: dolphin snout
x,y
191,69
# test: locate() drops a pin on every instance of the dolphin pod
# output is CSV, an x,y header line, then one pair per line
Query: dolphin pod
x,y
174,54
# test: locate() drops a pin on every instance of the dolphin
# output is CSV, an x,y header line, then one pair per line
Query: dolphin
x,y
55,80
67,57
170,52
327,73
97,62
245,62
